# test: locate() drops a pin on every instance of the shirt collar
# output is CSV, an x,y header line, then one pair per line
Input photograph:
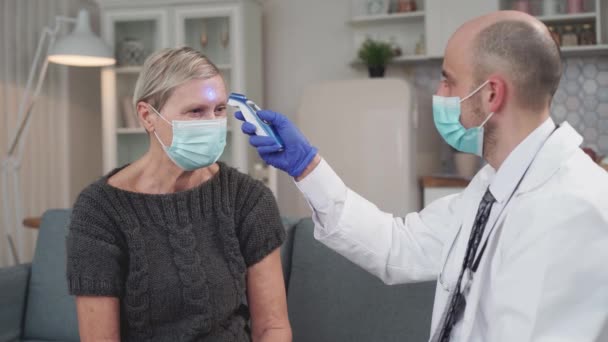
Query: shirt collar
x,y
513,168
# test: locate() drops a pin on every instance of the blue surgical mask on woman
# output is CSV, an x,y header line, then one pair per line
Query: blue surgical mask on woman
x,y
446,114
196,143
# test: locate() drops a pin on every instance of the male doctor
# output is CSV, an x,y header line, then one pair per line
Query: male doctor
x,y
522,253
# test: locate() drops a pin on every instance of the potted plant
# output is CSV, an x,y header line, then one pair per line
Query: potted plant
x,y
376,55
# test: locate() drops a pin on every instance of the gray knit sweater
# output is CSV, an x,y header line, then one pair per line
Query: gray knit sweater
x,y
178,261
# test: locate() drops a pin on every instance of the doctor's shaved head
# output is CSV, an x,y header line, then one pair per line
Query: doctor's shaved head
x,y
518,46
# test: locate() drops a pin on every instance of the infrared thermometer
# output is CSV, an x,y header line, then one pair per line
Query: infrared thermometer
x,y
250,113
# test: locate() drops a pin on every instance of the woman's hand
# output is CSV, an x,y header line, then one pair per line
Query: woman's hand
x,y
267,300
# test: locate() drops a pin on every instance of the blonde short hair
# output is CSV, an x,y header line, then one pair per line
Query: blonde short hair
x,y
167,69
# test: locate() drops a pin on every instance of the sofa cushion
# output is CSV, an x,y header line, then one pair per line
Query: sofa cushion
x,y
51,311
13,291
286,248
332,299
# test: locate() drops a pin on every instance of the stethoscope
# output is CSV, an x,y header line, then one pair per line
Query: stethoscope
x,y
468,279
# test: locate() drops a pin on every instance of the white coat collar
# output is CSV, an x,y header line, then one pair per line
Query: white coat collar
x,y
514,167
560,146
554,152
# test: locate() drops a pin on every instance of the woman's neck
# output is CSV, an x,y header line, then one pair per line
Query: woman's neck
x,y
155,173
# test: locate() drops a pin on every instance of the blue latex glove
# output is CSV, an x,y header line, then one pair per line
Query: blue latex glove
x,y
297,152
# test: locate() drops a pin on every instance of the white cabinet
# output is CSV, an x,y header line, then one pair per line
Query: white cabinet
x,y
151,25
228,32
436,187
437,20
444,17
585,20
431,25
376,19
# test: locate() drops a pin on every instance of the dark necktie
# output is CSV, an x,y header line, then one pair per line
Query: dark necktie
x,y
457,304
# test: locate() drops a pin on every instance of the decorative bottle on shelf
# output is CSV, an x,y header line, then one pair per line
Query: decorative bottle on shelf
x,y
569,37
575,6
131,52
522,6
420,46
587,35
555,35
406,5
395,47
549,7
375,7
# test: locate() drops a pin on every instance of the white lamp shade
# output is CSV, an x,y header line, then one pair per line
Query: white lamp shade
x,y
81,47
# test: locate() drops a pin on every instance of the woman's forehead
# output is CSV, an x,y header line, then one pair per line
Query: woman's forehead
x,y
208,90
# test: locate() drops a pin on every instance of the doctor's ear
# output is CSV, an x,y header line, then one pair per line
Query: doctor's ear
x,y
145,116
496,93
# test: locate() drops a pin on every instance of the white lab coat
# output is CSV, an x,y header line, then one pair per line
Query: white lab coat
x,y
544,274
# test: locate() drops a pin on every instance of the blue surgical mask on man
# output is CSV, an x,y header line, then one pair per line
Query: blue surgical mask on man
x,y
196,143
446,114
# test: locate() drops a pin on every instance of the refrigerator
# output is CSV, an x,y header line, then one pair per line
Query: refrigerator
x,y
366,130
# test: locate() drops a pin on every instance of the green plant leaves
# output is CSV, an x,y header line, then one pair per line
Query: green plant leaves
x,y
375,53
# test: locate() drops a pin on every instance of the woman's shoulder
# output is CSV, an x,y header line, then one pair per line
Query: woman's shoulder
x,y
96,189
95,199
245,191
241,181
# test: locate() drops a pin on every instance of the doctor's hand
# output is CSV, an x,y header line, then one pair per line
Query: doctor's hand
x,y
297,153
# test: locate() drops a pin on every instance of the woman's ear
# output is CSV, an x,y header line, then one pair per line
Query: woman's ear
x,y
144,114
497,93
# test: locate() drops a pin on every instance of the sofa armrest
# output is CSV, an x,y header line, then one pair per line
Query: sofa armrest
x,y
13,292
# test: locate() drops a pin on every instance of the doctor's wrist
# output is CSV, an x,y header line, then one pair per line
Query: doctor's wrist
x,y
311,166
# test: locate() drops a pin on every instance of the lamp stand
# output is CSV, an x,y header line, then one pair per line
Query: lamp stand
x,y
12,206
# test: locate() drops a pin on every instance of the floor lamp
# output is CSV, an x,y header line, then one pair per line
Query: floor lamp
x,y
80,48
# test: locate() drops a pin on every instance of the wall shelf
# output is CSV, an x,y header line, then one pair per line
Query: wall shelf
x,y
567,51
414,58
129,130
584,50
568,18
407,27
417,15
404,60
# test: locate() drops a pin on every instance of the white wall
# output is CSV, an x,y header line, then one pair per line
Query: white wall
x,y
308,41
304,42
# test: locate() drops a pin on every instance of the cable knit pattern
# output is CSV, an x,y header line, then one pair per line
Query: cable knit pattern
x,y
177,262
137,303
192,276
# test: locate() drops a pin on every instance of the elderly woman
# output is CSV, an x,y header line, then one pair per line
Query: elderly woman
x,y
177,246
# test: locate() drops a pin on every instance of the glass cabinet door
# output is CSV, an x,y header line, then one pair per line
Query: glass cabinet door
x,y
134,35
210,35
209,29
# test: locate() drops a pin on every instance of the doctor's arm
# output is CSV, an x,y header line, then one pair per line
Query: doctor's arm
x,y
397,250
551,280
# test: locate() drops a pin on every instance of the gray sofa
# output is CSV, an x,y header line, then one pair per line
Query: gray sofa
x,y
329,298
